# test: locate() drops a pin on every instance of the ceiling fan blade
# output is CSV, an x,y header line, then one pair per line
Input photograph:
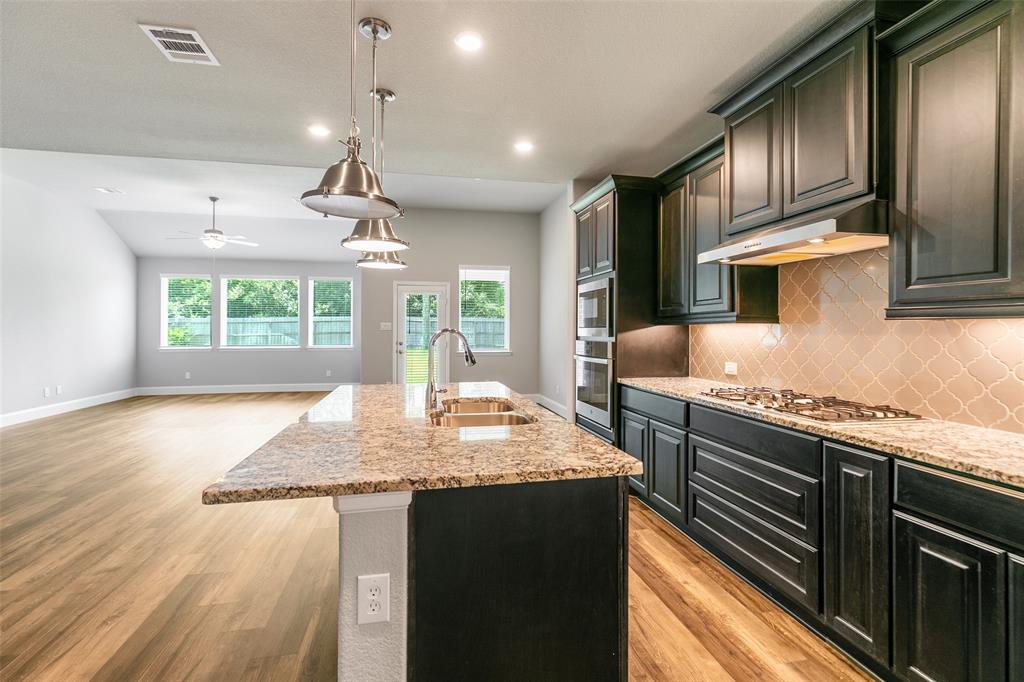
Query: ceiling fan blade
x,y
235,236
234,241
192,238
186,232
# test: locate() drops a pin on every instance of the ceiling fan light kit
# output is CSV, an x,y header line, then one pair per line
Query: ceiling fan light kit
x,y
212,238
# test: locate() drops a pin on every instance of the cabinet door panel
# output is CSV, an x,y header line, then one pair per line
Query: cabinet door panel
x,y
1016,617
753,161
604,234
710,283
668,470
827,157
585,243
857,547
634,440
959,124
949,605
672,256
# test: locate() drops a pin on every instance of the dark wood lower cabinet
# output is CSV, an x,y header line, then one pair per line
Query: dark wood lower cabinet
x,y
949,605
1016,630
668,470
856,548
633,440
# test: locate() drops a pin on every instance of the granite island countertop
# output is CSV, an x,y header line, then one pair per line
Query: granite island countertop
x,y
376,438
989,454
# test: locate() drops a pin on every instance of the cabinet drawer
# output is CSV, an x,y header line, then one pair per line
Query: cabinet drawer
x,y
789,449
782,498
977,507
777,559
668,410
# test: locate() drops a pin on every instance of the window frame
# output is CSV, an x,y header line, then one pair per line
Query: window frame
x,y
310,288
507,350
223,313
162,338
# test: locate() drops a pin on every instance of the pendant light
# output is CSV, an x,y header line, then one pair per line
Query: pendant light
x,y
350,188
381,260
374,235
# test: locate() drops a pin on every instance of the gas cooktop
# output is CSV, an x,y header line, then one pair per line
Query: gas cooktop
x,y
827,409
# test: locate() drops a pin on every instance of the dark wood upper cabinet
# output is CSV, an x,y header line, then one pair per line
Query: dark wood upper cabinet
x,y
857,518
753,162
710,285
585,243
604,234
949,605
826,153
672,256
958,238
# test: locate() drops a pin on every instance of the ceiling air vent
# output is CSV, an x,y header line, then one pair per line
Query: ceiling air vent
x,y
180,44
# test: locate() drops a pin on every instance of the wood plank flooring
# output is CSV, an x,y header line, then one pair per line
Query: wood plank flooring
x,y
111,569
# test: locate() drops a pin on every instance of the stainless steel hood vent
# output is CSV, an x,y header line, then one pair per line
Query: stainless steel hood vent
x,y
854,225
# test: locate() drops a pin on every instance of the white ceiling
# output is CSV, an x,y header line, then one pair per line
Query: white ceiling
x,y
164,196
598,86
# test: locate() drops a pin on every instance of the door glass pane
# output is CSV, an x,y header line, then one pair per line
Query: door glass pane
x,y
420,325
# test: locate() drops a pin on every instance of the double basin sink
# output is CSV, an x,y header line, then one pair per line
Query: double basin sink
x,y
479,412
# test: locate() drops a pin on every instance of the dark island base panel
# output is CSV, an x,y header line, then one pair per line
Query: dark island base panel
x,y
519,582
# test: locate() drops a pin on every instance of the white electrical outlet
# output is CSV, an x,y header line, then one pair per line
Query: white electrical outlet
x,y
731,369
327,373
374,598
46,391
60,389
188,375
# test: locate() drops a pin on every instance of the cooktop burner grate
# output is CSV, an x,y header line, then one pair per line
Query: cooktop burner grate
x,y
826,409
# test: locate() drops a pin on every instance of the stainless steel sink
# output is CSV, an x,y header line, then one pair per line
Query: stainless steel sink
x,y
481,419
477,405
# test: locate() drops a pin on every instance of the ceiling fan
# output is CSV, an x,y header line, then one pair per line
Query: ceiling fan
x,y
212,238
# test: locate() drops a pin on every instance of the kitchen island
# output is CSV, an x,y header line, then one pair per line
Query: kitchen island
x,y
505,545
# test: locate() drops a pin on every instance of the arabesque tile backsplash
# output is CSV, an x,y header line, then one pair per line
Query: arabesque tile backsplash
x,y
833,339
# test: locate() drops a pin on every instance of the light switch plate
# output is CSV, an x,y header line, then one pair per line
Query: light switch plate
x,y
731,369
374,598
385,326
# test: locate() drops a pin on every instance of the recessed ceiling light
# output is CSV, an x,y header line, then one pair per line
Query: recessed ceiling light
x,y
524,146
816,240
469,41
318,131
724,260
108,190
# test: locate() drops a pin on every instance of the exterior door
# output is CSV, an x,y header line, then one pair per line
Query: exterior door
x,y
420,310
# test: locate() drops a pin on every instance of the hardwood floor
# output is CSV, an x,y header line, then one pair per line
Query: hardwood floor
x,y
111,569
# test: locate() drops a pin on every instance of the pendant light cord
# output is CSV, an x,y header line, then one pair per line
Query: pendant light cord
x,y
354,131
373,93
380,172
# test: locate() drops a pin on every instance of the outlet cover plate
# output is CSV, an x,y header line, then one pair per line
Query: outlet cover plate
x,y
374,598
731,369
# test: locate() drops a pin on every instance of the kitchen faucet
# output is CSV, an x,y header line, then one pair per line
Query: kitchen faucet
x,y
432,389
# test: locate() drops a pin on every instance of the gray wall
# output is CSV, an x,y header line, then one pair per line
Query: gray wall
x,y
441,241
68,301
232,367
557,282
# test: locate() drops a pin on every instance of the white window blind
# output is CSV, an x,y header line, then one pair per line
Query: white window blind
x,y
331,314
484,311
185,318
260,312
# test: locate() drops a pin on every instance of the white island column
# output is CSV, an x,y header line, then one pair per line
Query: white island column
x,y
372,539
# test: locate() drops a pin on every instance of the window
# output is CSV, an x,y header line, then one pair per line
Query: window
x,y
185,311
261,312
484,307
330,315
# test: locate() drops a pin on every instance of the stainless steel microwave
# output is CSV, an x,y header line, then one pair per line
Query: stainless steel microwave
x,y
594,309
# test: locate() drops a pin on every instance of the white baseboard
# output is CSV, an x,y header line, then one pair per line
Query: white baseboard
x,y
33,413
11,418
543,400
235,388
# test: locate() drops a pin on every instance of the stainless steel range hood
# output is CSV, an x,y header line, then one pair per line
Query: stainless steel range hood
x,y
854,225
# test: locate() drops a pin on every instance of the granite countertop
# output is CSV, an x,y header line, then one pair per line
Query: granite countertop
x,y
985,453
376,438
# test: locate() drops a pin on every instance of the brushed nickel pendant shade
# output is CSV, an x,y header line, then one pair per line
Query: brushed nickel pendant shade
x,y
350,188
381,260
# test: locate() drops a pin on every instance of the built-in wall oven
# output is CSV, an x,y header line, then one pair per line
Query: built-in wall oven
x,y
595,385
594,310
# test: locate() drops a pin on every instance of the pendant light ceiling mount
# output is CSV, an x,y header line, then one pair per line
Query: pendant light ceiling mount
x,y
383,95
372,27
